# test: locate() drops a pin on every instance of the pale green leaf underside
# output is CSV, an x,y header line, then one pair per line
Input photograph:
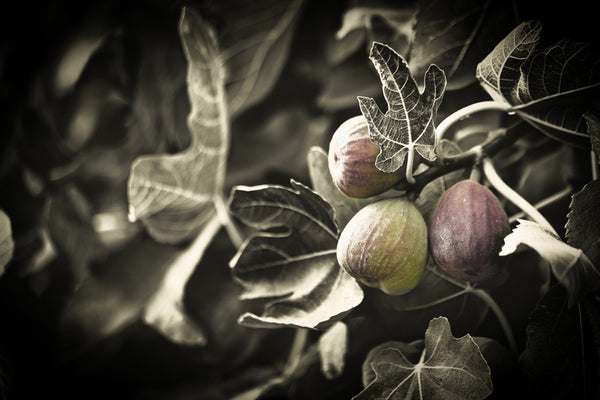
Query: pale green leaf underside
x,y
408,124
173,194
570,265
449,368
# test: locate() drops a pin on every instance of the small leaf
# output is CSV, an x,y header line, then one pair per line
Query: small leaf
x,y
333,345
570,266
408,124
582,229
255,47
6,241
552,88
173,194
448,368
296,263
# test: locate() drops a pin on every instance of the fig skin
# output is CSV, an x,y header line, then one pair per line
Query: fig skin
x,y
352,161
466,232
384,246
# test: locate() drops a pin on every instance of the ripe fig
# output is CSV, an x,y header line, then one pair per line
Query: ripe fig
x,y
384,246
466,232
352,161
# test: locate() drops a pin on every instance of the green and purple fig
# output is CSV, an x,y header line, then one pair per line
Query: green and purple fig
x,y
352,161
384,246
466,232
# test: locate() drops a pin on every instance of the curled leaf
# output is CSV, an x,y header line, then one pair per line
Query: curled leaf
x,y
408,124
447,368
293,258
570,265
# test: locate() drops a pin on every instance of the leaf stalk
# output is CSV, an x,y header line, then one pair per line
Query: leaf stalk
x,y
509,193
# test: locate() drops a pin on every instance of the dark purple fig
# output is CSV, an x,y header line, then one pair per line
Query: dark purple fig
x,y
384,246
466,232
352,161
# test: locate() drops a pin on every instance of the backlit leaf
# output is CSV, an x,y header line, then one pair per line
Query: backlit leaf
x,y
6,241
551,88
173,194
255,45
292,260
408,124
455,36
570,265
448,368
582,229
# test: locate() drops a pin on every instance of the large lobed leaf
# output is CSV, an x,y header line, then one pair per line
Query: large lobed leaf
x,y
292,259
551,88
173,194
408,124
448,368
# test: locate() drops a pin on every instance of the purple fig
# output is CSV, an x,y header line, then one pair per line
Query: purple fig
x,y
352,161
384,246
466,232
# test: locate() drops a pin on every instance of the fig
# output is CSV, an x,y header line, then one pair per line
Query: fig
x,y
466,232
352,161
384,245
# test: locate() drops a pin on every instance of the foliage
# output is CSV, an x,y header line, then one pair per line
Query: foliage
x,y
127,272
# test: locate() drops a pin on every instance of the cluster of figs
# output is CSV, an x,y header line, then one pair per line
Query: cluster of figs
x,y
387,243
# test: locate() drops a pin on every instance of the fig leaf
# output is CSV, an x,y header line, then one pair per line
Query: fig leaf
x,y
550,88
173,194
582,230
448,367
291,259
408,124
570,265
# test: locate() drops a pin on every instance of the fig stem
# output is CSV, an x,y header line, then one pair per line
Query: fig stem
x,y
444,165
545,202
296,351
409,166
485,296
232,229
465,112
594,161
490,173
